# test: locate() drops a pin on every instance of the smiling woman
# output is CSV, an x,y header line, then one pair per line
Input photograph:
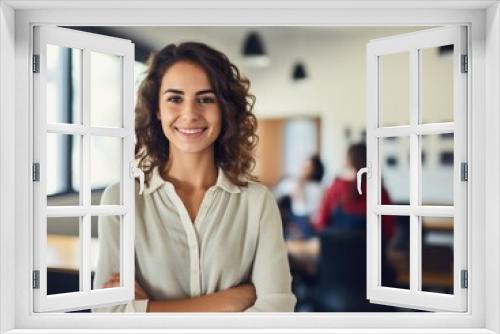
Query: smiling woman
x,y
208,236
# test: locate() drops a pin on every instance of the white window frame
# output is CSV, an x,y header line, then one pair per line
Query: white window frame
x,y
483,18
411,44
85,297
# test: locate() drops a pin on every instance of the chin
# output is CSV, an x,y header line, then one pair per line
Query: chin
x,y
193,148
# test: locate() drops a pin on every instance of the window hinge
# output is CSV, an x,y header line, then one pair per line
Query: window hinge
x,y
36,279
36,172
465,64
464,279
36,63
464,171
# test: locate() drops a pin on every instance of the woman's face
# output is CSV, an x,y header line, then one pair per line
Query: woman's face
x,y
189,111
348,163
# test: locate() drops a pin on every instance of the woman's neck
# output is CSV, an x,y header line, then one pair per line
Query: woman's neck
x,y
191,171
349,174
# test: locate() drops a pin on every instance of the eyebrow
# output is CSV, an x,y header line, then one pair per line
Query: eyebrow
x,y
176,91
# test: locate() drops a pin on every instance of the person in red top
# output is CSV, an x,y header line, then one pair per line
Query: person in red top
x,y
342,206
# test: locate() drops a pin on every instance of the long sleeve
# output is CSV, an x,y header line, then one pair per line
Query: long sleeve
x,y
109,253
271,271
330,199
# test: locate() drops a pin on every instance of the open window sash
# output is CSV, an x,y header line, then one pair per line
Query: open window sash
x,y
85,43
453,38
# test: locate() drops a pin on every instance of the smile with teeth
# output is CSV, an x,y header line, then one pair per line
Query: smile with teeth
x,y
190,131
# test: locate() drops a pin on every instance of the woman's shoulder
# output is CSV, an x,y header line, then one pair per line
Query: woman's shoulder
x,y
342,181
253,186
111,194
256,191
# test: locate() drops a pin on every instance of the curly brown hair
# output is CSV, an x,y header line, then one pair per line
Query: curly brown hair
x,y
234,148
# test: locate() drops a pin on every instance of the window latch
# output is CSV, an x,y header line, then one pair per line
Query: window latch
x,y
359,175
137,172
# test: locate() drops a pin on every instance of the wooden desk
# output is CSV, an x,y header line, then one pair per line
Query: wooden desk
x,y
303,255
438,224
305,252
440,280
302,248
63,252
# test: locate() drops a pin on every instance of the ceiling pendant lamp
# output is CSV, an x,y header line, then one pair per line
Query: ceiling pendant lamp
x,y
299,72
254,53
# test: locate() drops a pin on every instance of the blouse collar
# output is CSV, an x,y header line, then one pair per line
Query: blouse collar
x,y
223,182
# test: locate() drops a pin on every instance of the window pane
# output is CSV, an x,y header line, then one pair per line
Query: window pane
x,y
437,254
105,90
395,170
437,169
437,84
63,84
394,89
106,165
63,255
106,243
396,257
62,167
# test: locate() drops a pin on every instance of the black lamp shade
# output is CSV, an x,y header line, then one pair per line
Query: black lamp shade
x,y
299,72
253,45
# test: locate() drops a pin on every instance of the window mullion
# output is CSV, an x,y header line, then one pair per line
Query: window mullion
x,y
86,181
127,268
415,174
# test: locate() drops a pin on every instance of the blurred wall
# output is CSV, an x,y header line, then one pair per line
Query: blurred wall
x,y
269,154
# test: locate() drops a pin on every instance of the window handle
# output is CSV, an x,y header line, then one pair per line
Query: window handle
x,y
137,172
359,174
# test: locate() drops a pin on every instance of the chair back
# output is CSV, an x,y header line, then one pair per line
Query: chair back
x,y
341,280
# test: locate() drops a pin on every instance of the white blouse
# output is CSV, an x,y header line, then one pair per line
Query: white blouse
x,y
236,238
308,203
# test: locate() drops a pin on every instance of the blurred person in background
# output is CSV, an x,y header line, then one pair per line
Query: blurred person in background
x,y
300,198
342,206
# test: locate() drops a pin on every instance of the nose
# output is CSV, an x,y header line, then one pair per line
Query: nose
x,y
190,110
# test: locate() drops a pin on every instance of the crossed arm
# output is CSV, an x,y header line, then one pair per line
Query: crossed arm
x,y
236,299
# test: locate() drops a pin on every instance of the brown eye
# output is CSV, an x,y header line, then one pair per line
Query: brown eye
x,y
174,99
207,99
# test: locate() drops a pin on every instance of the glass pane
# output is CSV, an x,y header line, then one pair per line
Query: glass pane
x,y
396,258
437,169
106,167
105,248
63,84
105,90
63,255
437,254
63,168
436,84
395,170
394,89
